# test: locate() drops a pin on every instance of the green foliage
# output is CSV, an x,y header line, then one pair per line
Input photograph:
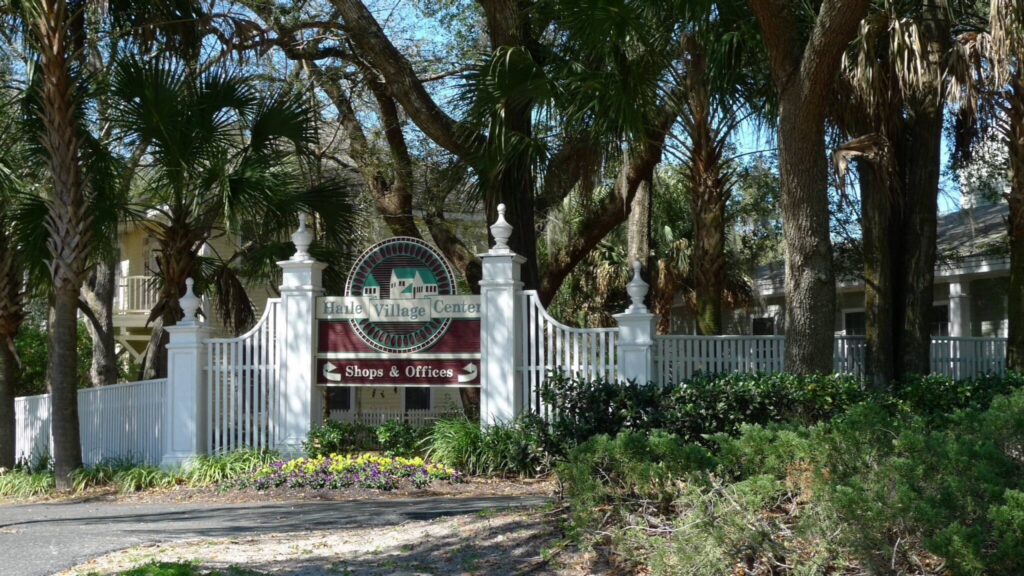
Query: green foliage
x,y
32,345
891,486
24,484
139,478
334,437
124,474
606,472
503,449
699,407
209,470
398,438
101,474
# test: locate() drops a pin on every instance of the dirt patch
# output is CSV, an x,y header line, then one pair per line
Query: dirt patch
x,y
493,543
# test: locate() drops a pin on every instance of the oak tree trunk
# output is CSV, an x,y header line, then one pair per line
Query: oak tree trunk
x,y
810,280
803,70
98,294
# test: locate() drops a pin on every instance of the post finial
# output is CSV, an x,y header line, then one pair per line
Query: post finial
x,y
502,231
302,238
637,290
189,304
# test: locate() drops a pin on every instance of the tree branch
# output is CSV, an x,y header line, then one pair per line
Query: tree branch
x,y
369,39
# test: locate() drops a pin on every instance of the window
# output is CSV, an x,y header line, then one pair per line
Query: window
x,y
855,323
417,398
763,326
339,398
940,320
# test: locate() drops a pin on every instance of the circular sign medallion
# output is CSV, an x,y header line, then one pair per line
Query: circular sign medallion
x,y
401,269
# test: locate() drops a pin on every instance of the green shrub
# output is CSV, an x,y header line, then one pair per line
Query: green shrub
x,y
504,449
887,486
24,484
398,438
696,408
334,437
635,468
213,469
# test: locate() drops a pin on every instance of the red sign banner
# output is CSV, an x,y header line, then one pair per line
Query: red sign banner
x,y
400,322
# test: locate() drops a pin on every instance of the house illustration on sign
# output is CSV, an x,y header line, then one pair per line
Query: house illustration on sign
x,y
411,283
371,288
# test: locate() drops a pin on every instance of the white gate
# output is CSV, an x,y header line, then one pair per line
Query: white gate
x,y
243,402
549,345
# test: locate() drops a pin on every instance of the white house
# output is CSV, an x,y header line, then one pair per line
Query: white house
x,y
970,294
371,288
410,283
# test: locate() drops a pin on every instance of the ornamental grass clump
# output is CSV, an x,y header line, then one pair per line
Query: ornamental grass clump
x,y
337,472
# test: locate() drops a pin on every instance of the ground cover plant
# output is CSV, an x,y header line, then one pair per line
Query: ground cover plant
x,y
335,472
182,569
887,486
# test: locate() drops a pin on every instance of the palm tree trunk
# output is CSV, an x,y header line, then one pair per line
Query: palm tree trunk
x,y
508,25
8,382
11,315
921,167
62,368
68,227
1015,349
876,214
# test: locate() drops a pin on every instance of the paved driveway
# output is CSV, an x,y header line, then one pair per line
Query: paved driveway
x,y
40,539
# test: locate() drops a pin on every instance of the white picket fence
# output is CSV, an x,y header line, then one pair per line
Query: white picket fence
x,y
118,421
848,355
418,418
679,357
549,345
242,393
967,357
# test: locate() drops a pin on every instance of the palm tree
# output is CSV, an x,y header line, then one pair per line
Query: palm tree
x,y
896,85
224,158
48,25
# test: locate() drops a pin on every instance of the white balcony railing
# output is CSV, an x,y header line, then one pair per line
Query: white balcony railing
x,y
135,295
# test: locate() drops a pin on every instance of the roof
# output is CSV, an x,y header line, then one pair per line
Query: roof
x,y
964,235
973,231
410,273
371,282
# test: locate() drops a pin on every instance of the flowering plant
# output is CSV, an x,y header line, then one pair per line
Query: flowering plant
x,y
343,471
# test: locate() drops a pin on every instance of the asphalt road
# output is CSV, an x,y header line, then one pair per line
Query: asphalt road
x,y
41,539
